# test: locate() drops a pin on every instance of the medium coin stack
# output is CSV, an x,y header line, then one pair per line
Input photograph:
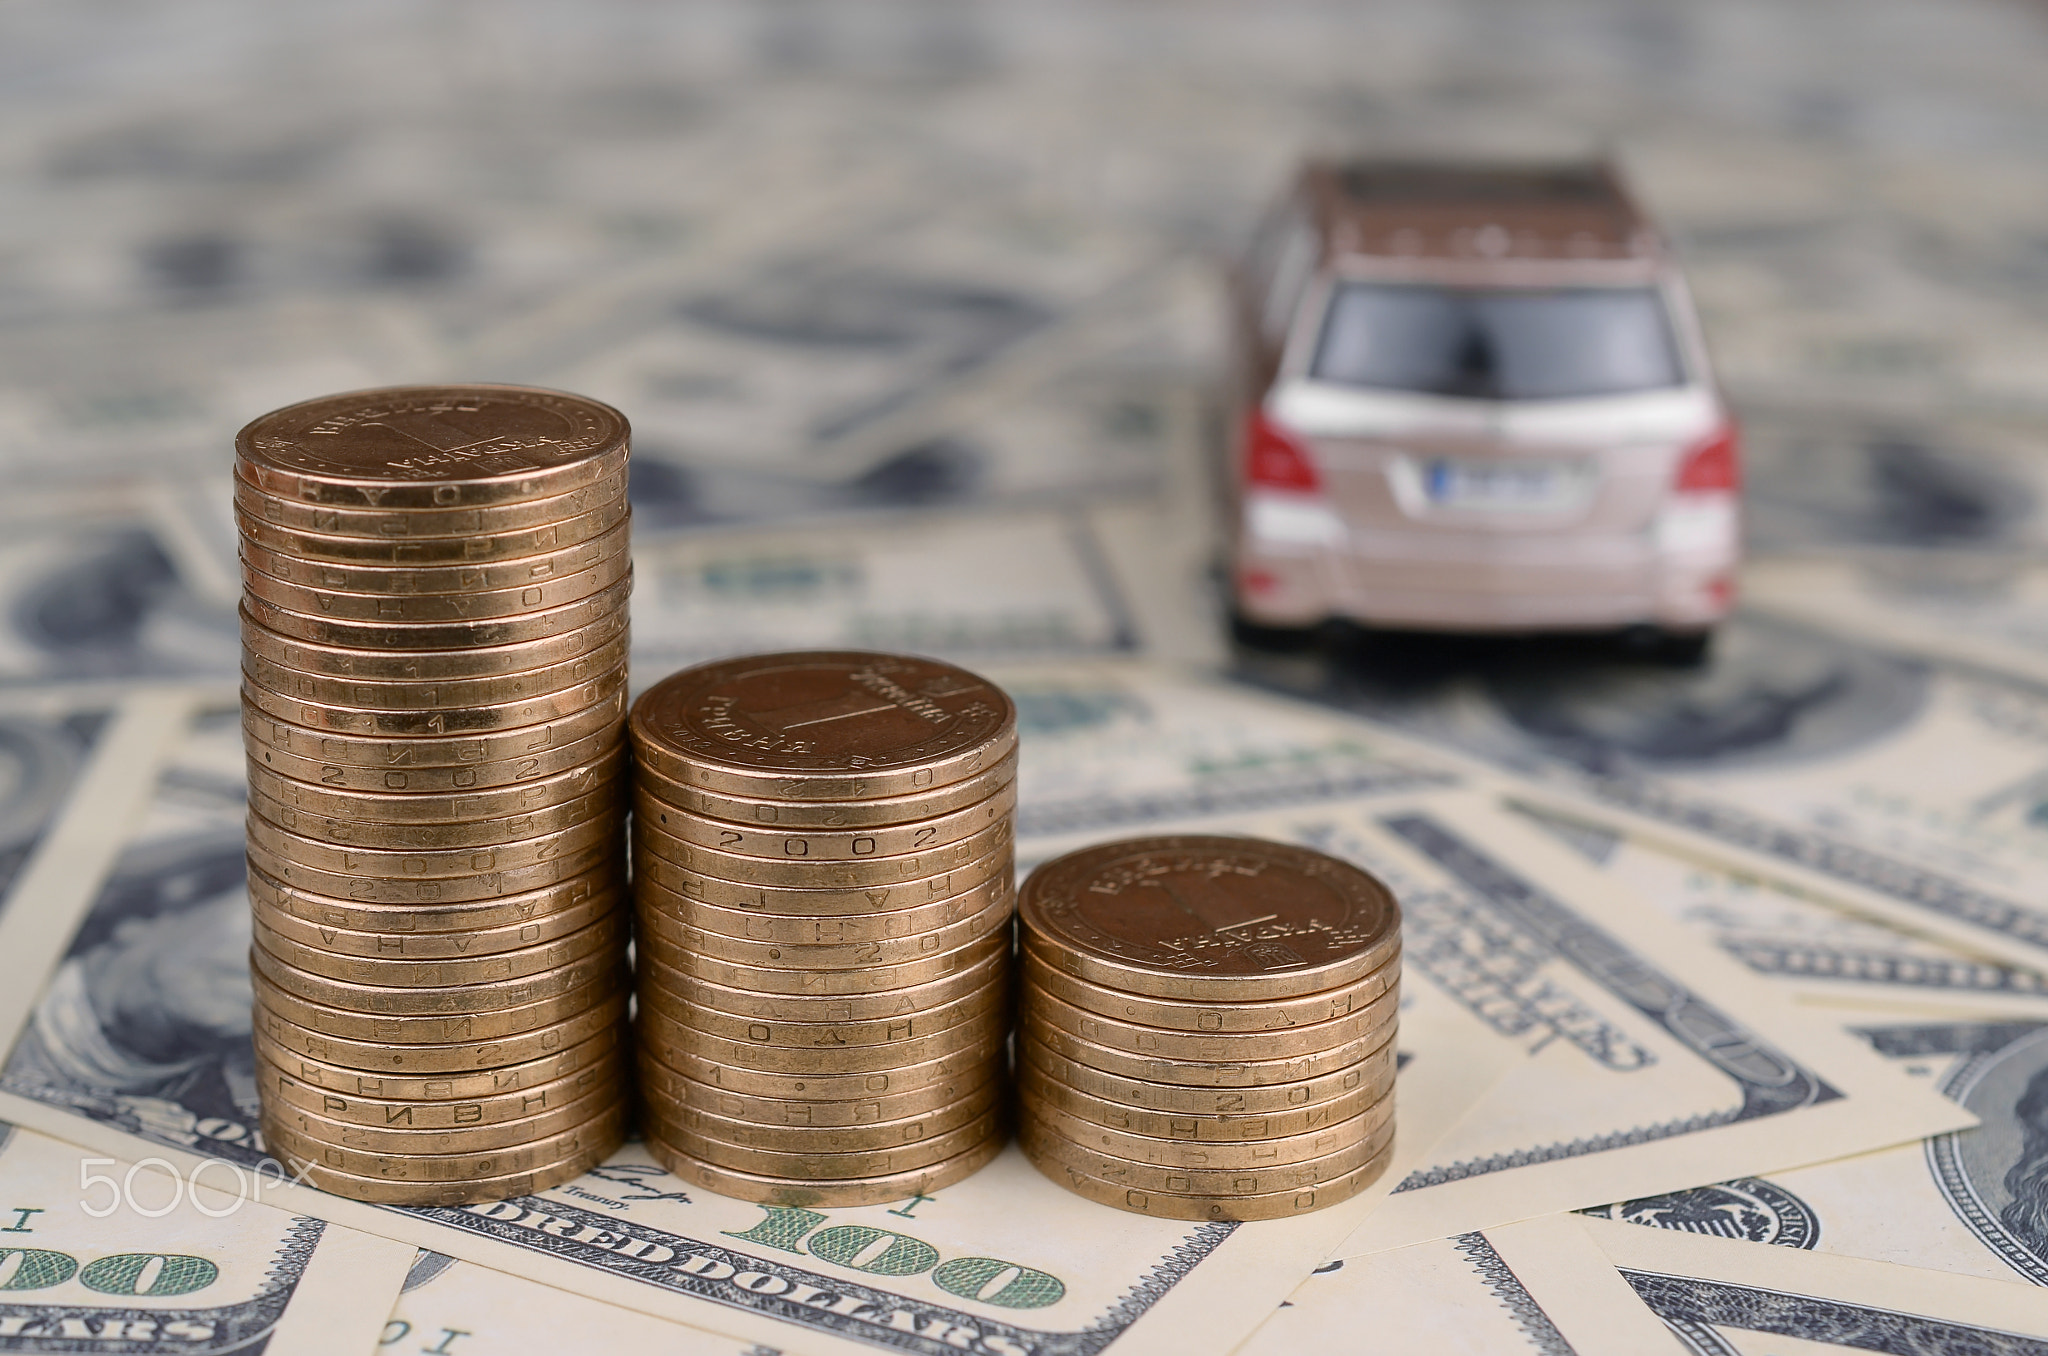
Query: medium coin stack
x,y
1207,1026
824,876
433,705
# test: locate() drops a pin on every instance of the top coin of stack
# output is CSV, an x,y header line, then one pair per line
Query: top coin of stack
x,y
1207,1026
433,704
823,869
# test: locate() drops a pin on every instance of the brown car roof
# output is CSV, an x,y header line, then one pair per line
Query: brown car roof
x,y
1437,210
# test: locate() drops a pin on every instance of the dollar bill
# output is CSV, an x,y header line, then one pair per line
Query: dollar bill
x,y
1721,1297
1968,1202
137,1042
1540,1287
111,1255
1810,948
1899,786
452,1308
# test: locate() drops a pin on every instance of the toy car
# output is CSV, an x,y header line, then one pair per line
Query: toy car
x,y
1476,398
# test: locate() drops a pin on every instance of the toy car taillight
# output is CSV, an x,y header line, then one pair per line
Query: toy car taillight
x,y
1274,460
1713,464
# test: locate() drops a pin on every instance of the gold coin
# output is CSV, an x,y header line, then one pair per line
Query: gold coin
x,y
659,1082
437,1044
266,732
1166,1205
606,934
773,1007
1221,1047
666,935
823,875
443,889
608,1127
411,524
822,725
551,688
433,446
1140,1091
468,662
827,1035
485,575
1040,1140
1258,1154
442,780
969,1067
1187,1073
1280,1014
784,929
831,814
827,983
601,1008
831,1167
1036,1089
498,1081
277,1085
695,1121
427,864
766,1190
362,722
423,636
430,608
431,946
510,1186
824,845
1209,919
605,801
431,916
448,1141
659,1032
432,552
395,1001
601,776
728,894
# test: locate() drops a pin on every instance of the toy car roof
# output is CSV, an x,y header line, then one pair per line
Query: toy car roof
x,y
1447,210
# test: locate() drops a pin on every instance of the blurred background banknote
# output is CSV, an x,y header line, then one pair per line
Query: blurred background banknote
x,y
916,310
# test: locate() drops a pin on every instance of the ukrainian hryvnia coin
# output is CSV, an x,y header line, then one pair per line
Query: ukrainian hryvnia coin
x,y
380,525
1045,1092
601,775
435,447
1282,1204
1167,1098
462,662
1370,1024
1279,1014
823,725
832,814
657,1080
484,576
355,720
434,695
1209,919
494,544
783,844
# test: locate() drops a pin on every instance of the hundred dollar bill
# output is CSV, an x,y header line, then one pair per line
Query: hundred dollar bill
x,y
1810,948
970,586
1541,1287
1902,787
138,1043
1972,1201
1978,609
451,1308
110,1255
1726,1298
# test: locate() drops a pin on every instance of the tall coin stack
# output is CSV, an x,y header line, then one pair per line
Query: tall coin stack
x,y
824,876
1207,1026
433,704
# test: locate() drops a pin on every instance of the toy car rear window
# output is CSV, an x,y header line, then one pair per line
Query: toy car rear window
x,y
1498,344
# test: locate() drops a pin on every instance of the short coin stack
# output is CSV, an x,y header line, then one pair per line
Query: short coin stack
x,y
824,875
434,687
1207,1026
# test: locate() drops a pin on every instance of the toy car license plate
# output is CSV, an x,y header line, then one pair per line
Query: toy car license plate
x,y
1513,485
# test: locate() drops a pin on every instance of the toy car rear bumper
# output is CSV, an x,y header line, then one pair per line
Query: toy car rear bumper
x,y
1500,584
